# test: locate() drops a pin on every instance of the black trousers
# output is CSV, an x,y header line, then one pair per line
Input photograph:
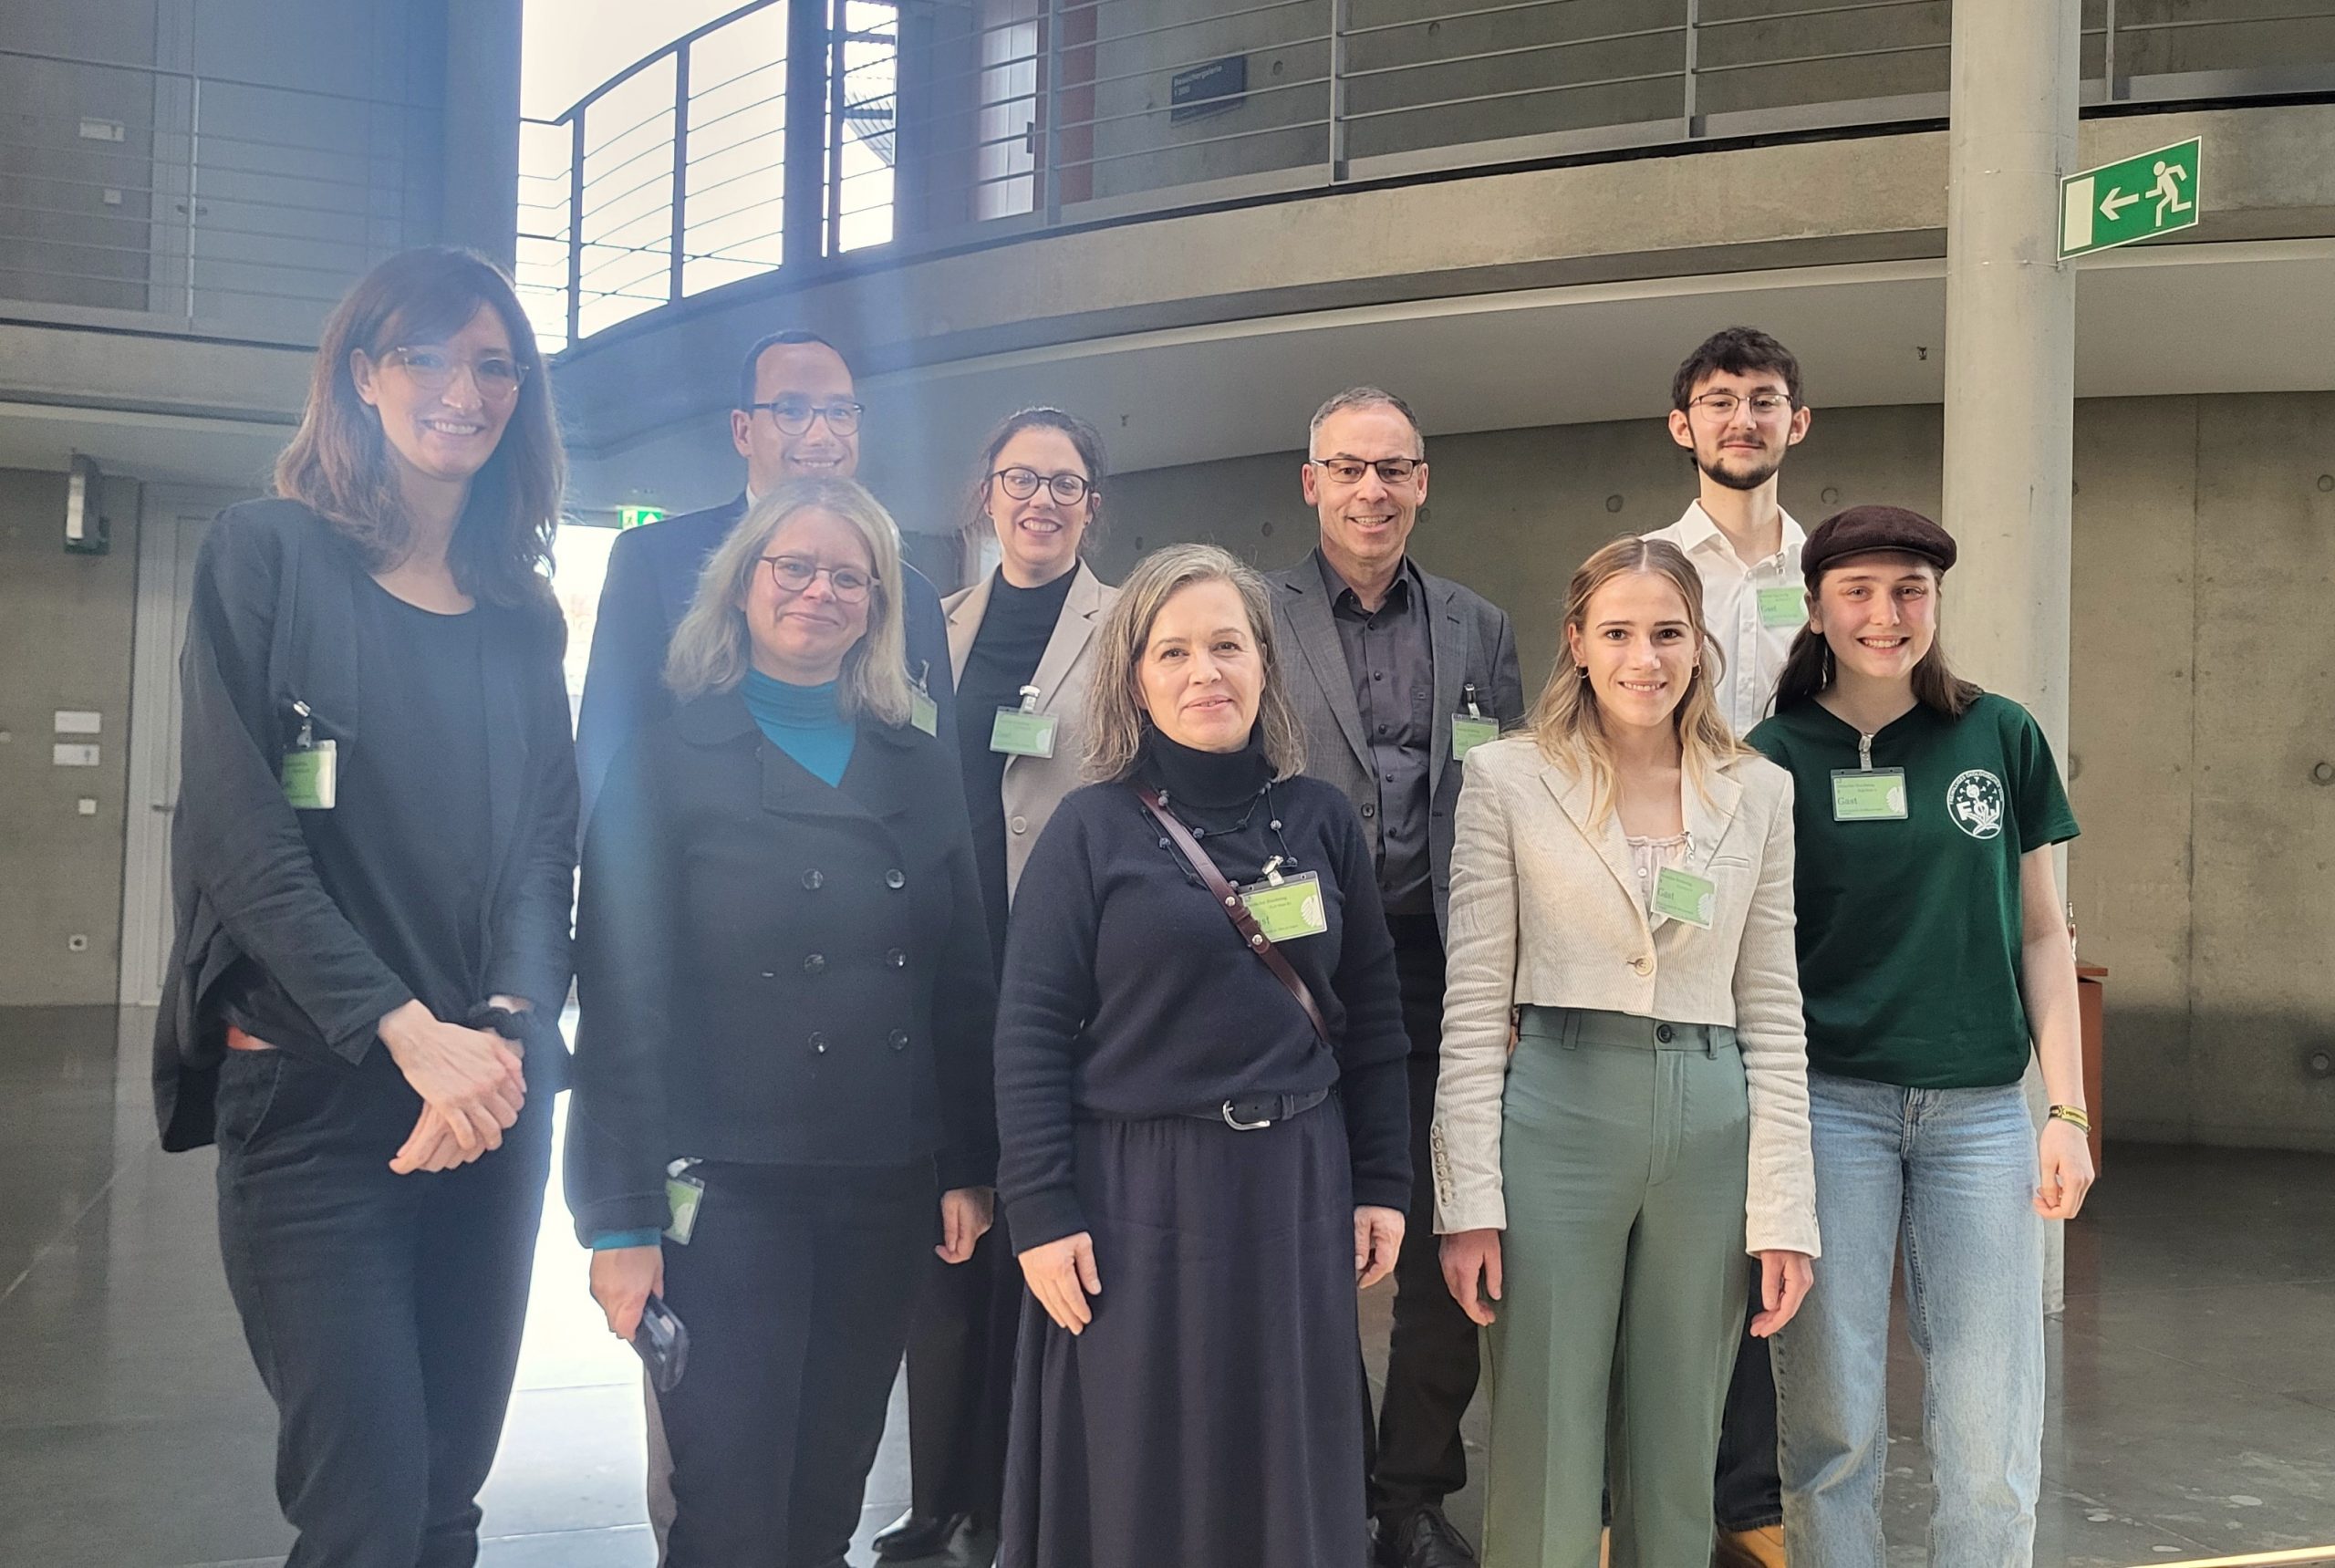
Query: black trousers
x,y
1749,1493
961,1380
796,1288
383,1312
1417,1458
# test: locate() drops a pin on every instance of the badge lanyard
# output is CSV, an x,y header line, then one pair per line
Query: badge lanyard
x,y
1783,607
311,770
1024,731
1867,794
1286,903
1471,729
923,712
1286,907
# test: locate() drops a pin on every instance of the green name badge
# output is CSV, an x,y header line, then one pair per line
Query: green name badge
x,y
1288,909
683,1195
924,712
1868,795
312,776
1787,606
1683,895
1469,731
1020,734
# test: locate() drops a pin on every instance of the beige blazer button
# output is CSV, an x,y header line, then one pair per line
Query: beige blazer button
x,y
1020,825
1642,965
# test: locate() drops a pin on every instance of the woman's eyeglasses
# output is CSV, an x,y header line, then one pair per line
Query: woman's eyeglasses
x,y
497,376
794,574
1022,484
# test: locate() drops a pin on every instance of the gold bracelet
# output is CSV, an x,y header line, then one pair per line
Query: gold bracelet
x,y
2073,1116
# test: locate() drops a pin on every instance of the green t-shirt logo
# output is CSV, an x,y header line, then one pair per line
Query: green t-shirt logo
x,y
1974,799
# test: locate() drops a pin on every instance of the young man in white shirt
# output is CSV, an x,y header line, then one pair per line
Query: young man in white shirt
x,y
1736,405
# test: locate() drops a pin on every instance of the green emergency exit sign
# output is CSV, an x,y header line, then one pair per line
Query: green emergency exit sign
x,y
2137,199
634,516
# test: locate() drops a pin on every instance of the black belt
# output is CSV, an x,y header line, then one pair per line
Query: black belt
x,y
1251,1112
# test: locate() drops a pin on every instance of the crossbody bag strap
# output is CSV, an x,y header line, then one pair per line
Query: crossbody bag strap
x,y
1234,909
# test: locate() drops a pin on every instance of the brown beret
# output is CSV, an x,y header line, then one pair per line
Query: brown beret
x,y
1862,530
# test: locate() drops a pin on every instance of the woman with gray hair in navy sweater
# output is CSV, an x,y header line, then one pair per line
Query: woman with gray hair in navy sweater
x,y
1202,1110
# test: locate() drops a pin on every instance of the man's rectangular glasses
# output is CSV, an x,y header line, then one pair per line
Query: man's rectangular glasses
x,y
1349,470
793,415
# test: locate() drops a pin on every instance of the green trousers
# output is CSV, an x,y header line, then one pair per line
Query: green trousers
x,y
1623,1149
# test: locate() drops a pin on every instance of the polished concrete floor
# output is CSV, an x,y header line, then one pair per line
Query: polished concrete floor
x,y
2192,1391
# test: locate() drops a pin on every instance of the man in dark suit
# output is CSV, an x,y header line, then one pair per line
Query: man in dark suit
x,y
1395,673
796,419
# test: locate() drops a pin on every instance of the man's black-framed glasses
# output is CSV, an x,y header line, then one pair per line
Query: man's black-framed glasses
x,y
1722,405
1349,470
794,574
1068,489
793,415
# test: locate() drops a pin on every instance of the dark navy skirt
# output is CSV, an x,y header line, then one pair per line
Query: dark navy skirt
x,y
1212,1412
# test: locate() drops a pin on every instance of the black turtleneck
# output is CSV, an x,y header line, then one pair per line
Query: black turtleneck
x,y
1005,655
1128,995
1212,783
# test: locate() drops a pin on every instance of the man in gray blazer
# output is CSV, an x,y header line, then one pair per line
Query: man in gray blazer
x,y
1395,674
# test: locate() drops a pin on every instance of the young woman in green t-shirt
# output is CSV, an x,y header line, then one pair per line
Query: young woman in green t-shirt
x,y
1933,963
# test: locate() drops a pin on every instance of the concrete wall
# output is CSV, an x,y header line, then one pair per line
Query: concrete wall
x,y
311,150
2205,557
65,633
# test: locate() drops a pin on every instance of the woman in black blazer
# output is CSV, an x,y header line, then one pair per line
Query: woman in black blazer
x,y
371,869
783,1088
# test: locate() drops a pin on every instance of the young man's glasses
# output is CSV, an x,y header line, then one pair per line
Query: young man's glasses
x,y
1722,405
496,376
1022,484
793,415
1349,470
794,574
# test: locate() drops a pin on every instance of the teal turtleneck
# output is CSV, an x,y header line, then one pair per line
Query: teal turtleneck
x,y
804,722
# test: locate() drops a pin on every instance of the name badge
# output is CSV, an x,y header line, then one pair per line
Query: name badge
x,y
1468,732
683,1195
1868,795
1685,898
1287,907
924,712
1021,734
312,776
1787,606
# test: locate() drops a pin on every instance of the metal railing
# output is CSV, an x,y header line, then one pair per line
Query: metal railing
x,y
940,123
198,203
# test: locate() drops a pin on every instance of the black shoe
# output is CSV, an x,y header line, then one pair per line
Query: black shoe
x,y
914,1535
1423,1538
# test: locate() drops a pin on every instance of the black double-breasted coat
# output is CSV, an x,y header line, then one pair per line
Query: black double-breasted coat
x,y
773,970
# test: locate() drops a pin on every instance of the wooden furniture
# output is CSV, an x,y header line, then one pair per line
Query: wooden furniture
x,y
2090,992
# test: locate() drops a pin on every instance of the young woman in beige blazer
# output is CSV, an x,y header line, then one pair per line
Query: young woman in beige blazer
x,y
1622,892
1021,639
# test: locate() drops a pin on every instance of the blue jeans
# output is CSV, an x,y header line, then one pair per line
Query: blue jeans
x,y
1952,1173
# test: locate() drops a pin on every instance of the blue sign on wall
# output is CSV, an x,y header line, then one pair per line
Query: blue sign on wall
x,y
1207,89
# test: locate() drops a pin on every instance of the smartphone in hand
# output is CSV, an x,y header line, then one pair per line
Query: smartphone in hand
x,y
662,1343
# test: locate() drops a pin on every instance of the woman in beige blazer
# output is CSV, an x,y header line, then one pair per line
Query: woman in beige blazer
x,y
1020,656
1622,891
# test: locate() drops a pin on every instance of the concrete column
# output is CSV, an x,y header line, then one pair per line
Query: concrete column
x,y
2010,374
481,128
2011,349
